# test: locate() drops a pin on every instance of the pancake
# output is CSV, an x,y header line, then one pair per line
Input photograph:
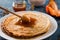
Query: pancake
x,y
13,27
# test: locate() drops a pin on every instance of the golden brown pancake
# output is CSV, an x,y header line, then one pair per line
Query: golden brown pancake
x,y
14,28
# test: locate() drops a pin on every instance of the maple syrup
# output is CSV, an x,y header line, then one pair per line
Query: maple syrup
x,y
19,6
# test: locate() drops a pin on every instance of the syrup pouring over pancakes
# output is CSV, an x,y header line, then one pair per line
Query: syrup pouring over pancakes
x,y
24,18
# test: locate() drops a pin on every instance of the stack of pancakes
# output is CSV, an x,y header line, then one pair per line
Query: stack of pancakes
x,y
41,26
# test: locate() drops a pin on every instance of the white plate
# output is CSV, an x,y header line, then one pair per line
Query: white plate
x,y
49,33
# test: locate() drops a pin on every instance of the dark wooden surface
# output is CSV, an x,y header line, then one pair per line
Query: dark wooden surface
x,y
8,4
